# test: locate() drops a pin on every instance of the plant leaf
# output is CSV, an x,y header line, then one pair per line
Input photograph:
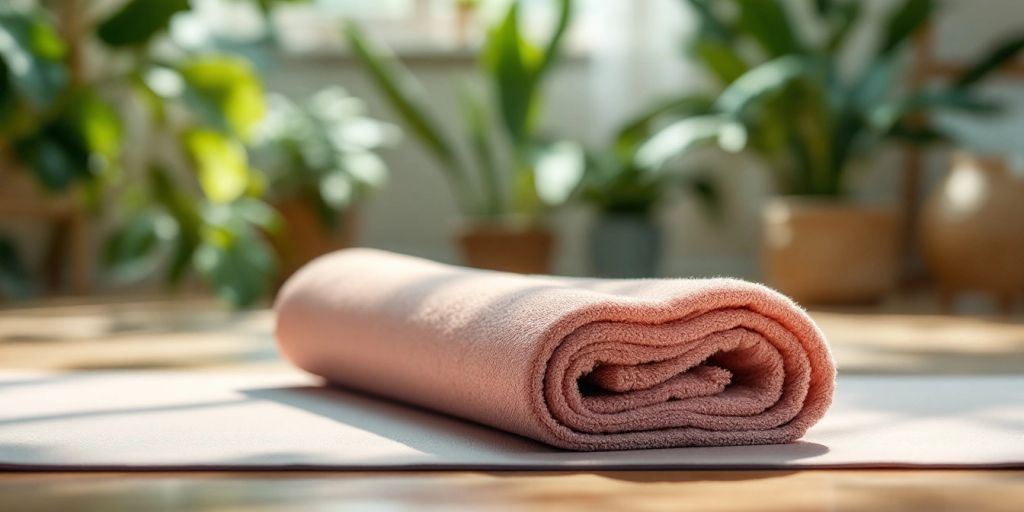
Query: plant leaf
x,y
761,81
221,164
721,59
138,21
846,15
768,24
554,45
129,252
996,58
478,126
408,98
887,115
640,127
182,209
225,92
679,137
31,54
904,21
506,56
711,27
239,267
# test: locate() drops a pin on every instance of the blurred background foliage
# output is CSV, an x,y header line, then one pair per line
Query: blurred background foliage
x,y
64,122
787,96
176,141
512,171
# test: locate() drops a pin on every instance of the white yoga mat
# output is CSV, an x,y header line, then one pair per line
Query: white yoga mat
x,y
179,420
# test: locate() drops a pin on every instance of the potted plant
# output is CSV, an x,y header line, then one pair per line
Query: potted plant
x,y
319,162
56,133
816,124
186,199
512,178
625,241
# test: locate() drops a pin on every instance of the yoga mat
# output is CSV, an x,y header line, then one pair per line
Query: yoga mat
x,y
196,420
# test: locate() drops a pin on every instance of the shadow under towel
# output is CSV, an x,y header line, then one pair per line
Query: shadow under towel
x,y
581,364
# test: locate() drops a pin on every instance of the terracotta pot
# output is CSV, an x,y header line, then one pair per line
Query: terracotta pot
x,y
507,246
972,229
306,236
827,251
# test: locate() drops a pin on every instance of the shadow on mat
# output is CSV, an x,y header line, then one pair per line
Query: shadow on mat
x,y
451,442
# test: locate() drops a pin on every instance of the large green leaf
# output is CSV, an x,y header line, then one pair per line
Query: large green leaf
x,y
409,100
221,164
32,56
887,115
1003,53
845,18
138,21
711,26
182,209
97,122
553,48
130,252
641,126
722,59
680,137
78,142
767,22
239,265
904,21
56,155
226,93
478,127
510,60
812,130
762,81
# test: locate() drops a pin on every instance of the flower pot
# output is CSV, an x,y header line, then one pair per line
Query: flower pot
x,y
827,251
306,236
506,246
972,229
625,246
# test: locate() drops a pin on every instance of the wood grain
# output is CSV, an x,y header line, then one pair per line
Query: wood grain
x,y
196,334
765,491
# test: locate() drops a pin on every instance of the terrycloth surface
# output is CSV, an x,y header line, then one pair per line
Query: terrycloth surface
x,y
581,364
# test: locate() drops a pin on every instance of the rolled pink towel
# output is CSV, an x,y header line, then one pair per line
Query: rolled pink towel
x,y
582,364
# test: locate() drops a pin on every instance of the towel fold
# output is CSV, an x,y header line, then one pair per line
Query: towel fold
x,y
581,364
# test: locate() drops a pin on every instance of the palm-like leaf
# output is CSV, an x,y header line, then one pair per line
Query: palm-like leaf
x,y
409,100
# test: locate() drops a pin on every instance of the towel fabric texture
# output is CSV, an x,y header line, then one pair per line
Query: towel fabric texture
x,y
581,364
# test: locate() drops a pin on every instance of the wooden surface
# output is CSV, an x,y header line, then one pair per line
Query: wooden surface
x,y
198,335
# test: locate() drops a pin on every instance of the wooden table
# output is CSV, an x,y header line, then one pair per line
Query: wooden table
x,y
196,334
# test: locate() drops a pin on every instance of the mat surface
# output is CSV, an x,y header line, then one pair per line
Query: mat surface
x,y
192,420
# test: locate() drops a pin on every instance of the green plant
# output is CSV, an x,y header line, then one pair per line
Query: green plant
x,y
322,150
61,120
786,96
617,181
52,123
537,172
